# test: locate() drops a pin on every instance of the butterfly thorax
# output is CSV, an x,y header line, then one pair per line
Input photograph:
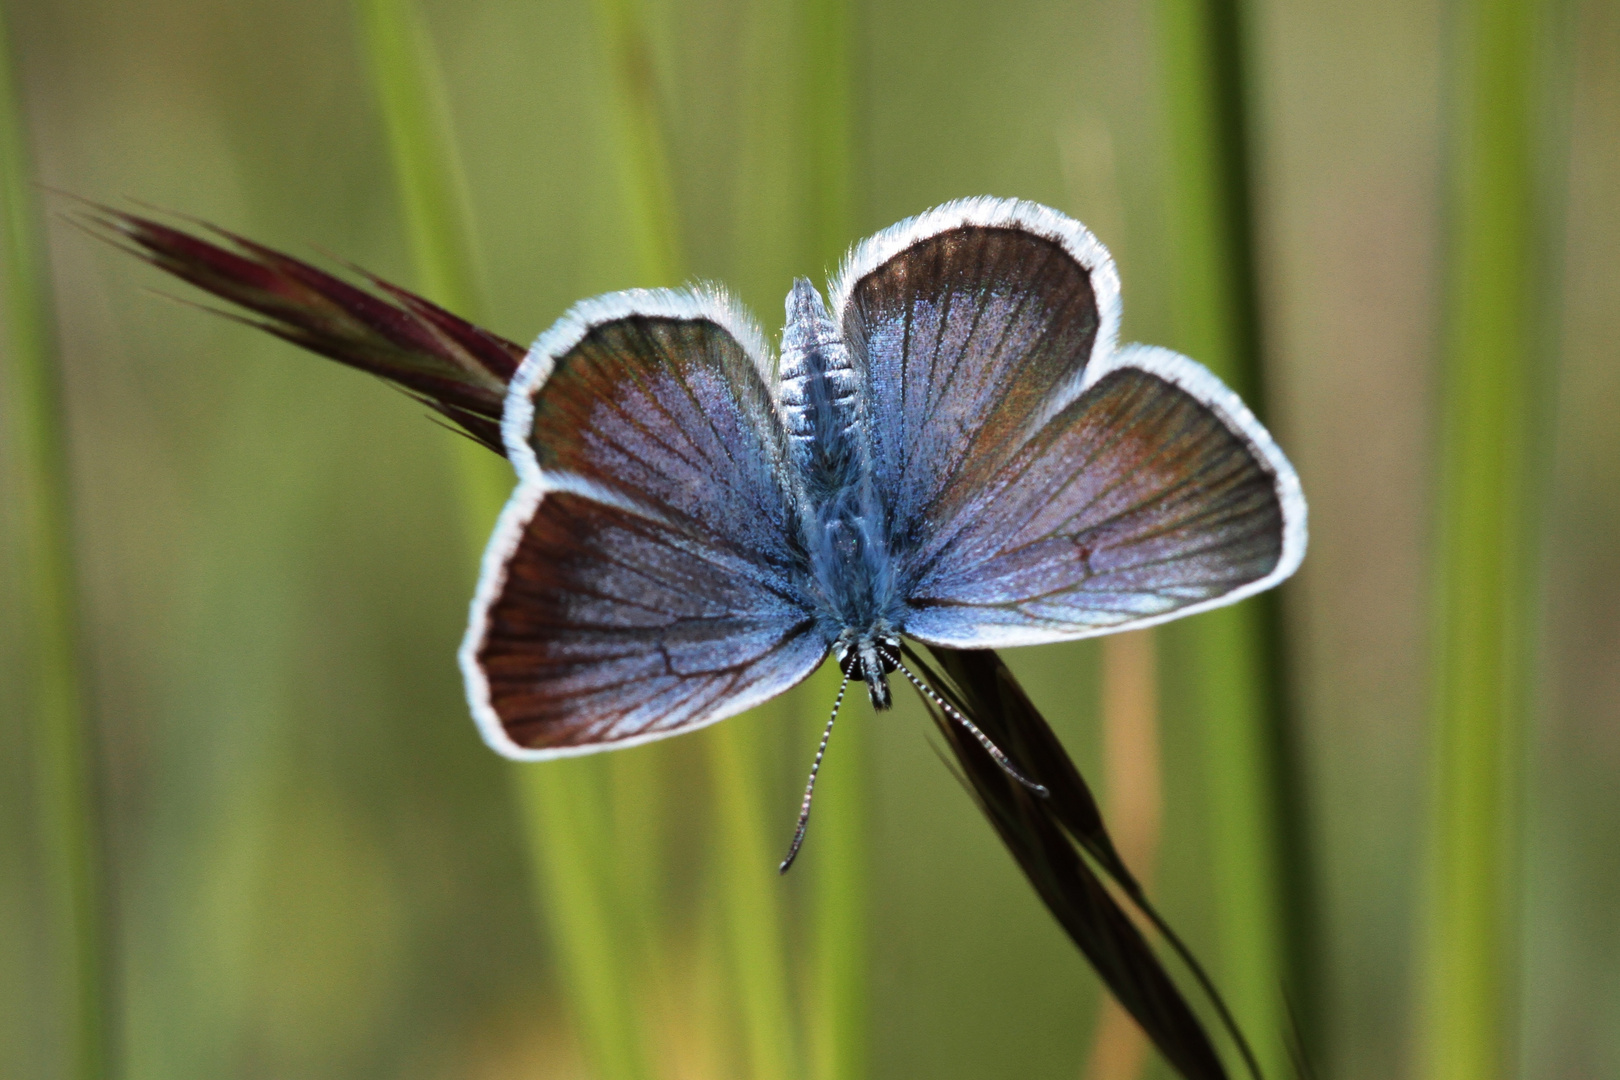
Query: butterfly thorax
x,y
842,523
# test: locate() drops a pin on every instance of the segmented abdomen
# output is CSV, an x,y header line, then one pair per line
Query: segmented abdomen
x,y
818,391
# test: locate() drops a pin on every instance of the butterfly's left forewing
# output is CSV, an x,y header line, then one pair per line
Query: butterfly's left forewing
x,y
641,582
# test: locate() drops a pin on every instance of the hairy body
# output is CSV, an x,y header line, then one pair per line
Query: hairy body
x,y
843,527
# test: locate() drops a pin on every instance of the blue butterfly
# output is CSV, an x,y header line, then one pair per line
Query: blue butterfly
x,y
957,451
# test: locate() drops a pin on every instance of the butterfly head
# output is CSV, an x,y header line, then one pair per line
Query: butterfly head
x,y
869,659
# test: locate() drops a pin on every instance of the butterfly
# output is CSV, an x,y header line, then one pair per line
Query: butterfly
x,y
956,451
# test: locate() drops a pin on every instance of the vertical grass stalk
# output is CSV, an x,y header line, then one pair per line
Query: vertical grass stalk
x,y
1482,633
1264,902
433,199
63,753
837,1024
750,896
753,904
565,814
829,125
1131,771
646,186
570,845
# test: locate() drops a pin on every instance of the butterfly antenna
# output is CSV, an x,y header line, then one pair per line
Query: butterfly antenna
x,y
973,729
810,788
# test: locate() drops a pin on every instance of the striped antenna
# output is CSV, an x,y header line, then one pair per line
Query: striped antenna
x,y
810,788
972,729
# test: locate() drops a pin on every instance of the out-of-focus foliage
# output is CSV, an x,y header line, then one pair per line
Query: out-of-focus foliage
x,y
316,866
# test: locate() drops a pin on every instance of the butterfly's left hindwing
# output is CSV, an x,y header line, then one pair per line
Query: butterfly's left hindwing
x,y
611,627
642,581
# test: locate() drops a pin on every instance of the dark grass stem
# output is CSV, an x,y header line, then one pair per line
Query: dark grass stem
x,y
1490,349
64,769
1239,674
1060,842
566,813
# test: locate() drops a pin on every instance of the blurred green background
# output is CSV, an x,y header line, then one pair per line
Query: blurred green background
x,y
315,865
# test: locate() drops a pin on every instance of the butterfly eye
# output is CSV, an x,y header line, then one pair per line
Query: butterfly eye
x,y
849,662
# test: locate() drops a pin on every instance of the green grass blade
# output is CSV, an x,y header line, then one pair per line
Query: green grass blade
x,y
646,193
750,895
829,125
646,187
566,817
63,759
433,197
1483,635
1264,905
838,1027
421,143
837,1024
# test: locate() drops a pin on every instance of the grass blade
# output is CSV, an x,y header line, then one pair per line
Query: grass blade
x,y
1238,674
837,1028
566,812
646,194
433,195
829,125
421,143
1483,635
647,189
568,822
64,770
1130,722
750,896
752,900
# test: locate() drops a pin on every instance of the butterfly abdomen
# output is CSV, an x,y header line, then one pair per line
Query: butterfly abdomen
x,y
819,398
843,522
